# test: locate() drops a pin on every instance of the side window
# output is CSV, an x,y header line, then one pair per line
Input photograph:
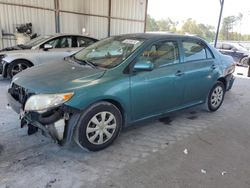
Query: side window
x,y
61,42
194,51
84,42
161,53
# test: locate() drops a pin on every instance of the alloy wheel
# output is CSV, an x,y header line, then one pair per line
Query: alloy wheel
x,y
18,68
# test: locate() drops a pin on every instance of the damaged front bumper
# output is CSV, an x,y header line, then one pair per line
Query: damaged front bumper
x,y
54,128
57,124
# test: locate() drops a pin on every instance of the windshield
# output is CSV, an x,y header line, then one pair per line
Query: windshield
x,y
240,47
109,52
36,41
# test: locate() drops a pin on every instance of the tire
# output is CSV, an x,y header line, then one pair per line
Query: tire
x,y
17,66
244,61
215,97
94,134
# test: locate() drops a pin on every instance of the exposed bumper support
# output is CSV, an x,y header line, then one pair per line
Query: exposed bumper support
x,y
15,105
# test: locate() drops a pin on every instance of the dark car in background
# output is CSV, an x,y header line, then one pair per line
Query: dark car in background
x,y
239,53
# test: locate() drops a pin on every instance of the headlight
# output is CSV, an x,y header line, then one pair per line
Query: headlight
x,y
43,102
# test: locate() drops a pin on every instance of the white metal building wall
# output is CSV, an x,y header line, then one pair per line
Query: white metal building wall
x,y
100,18
12,14
89,14
126,16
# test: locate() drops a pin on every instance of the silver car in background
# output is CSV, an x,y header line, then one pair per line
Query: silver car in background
x,y
39,50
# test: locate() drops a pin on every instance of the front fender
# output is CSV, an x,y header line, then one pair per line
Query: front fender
x,y
15,57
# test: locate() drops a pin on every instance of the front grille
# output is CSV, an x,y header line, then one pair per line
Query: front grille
x,y
19,93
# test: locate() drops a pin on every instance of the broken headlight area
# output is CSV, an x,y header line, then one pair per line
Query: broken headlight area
x,y
46,112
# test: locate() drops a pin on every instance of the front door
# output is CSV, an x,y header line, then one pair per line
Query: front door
x,y
155,92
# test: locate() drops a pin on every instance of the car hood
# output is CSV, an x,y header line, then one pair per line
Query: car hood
x,y
57,77
17,47
17,52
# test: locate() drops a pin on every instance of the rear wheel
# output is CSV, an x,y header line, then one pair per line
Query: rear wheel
x,y
99,126
244,61
216,96
17,66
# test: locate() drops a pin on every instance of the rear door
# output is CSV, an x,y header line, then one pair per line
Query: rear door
x,y
154,92
199,70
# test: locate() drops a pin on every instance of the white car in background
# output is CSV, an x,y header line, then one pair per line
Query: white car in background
x,y
40,50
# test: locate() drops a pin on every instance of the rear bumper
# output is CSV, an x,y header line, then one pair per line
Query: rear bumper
x,y
1,68
230,81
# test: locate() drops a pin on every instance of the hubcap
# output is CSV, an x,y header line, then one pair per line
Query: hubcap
x,y
18,68
101,128
217,96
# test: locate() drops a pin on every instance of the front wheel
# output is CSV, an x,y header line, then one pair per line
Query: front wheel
x,y
98,126
216,96
17,66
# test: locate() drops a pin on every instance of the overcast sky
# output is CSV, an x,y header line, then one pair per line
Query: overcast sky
x,y
203,11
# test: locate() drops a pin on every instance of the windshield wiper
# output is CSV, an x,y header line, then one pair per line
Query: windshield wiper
x,y
84,62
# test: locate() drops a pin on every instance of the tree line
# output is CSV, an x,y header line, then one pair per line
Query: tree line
x,y
190,26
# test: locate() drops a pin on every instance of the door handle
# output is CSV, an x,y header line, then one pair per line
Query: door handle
x,y
179,73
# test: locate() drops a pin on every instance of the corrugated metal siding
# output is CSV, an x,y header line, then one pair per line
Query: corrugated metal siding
x,y
73,23
130,9
98,7
38,3
8,41
43,20
71,15
124,26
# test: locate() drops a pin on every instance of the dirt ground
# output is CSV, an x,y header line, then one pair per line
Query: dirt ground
x,y
191,148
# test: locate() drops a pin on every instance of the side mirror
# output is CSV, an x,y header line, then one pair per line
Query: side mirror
x,y
46,47
143,66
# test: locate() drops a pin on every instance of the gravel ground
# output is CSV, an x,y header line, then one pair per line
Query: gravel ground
x,y
190,148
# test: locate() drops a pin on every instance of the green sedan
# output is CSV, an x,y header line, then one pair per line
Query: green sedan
x,y
92,95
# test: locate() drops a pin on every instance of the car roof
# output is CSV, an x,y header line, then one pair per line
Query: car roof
x,y
66,34
159,36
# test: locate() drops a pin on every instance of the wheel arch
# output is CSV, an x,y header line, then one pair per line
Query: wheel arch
x,y
245,56
7,66
114,101
73,122
117,105
22,59
224,81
